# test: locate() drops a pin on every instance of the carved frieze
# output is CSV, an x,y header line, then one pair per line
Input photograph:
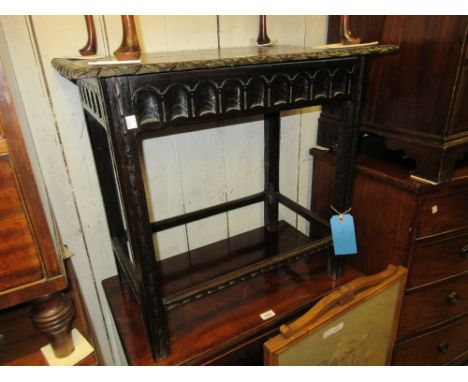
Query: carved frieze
x,y
92,99
158,103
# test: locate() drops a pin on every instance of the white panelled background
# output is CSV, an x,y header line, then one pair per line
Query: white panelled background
x,y
184,172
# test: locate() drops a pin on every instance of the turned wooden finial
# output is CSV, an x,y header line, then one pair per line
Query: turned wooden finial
x,y
52,315
346,36
90,48
262,39
129,49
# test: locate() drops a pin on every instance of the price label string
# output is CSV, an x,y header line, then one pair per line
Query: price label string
x,y
340,213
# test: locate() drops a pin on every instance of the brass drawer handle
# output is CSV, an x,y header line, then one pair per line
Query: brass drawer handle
x,y
443,347
452,298
464,252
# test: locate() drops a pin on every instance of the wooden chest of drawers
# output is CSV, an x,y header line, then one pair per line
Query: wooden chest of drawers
x,y
416,100
30,266
446,345
400,220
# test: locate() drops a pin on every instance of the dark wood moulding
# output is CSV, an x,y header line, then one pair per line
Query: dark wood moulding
x,y
204,271
233,261
206,212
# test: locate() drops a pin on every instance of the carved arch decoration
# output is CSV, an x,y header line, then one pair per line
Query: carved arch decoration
x,y
321,84
340,82
300,87
159,103
177,102
206,99
280,89
232,95
257,93
148,106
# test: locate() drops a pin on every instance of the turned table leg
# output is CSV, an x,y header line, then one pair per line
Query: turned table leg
x,y
52,315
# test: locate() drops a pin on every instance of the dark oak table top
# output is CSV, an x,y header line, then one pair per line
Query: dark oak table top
x,y
73,69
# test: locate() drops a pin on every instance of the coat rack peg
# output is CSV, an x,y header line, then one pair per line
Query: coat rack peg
x,y
129,49
90,48
262,39
346,36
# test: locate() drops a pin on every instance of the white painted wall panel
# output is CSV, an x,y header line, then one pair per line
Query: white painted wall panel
x,y
243,163
237,31
190,32
164,193
201,161
289,166
286,30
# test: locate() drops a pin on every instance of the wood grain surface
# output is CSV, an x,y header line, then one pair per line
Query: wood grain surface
x,y
23,341
229,321
19,262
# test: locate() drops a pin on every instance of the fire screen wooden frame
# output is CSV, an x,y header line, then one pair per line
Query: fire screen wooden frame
x,y
353,326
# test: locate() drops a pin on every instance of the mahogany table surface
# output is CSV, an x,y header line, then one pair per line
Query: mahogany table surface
x,y
218,323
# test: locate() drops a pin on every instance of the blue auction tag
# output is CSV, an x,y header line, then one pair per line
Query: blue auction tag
x,y
343,234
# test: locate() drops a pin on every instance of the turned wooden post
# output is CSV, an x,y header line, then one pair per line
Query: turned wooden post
x,y
129,49
52,315
262,39
90,48
346,35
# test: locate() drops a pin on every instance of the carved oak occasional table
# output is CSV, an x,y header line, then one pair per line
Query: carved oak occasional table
x,y
179,92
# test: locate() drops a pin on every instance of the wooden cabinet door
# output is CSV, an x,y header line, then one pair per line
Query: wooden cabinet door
x,y
29,262
19,261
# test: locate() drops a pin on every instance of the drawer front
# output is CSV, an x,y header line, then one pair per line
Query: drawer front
x,y
19,260
250,354
434,348
439,260
443,213
434,304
